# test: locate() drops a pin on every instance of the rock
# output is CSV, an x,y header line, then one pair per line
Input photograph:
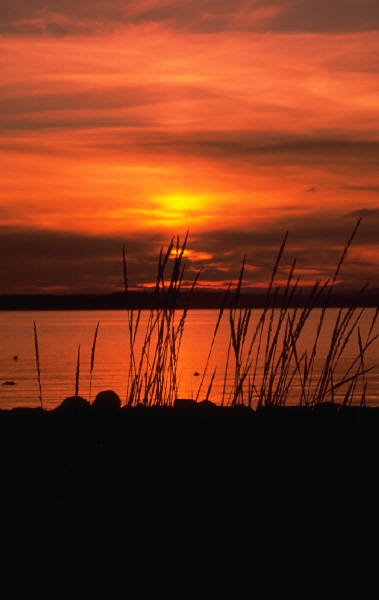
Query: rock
x,y
73,404
107,400
185,404
196,374
207,405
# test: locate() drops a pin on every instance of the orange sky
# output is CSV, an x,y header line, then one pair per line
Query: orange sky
x,y
135,121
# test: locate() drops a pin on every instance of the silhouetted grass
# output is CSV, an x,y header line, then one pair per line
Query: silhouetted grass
x,y
153,353
77,373
266,362
93,350
38,367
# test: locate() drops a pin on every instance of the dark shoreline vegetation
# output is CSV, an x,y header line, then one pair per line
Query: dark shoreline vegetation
x,y
193,447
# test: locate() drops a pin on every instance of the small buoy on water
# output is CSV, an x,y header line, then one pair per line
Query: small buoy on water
x,y
15,357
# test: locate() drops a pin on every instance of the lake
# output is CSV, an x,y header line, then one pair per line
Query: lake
x,y
60,333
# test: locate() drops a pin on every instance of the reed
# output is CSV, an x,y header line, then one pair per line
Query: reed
x,y
77,373
274,348
265,361
38,366
93,350
217,326
154,353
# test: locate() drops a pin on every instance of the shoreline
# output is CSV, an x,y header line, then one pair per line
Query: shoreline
x,y
200,300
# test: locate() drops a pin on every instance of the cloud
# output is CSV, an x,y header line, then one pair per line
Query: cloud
x,y
365,213
70,17
314,229
97,98
252,146
362,188
70,123
35,260
316,241
328,16
96,107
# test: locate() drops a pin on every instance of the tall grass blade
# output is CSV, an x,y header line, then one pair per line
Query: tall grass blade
x,y
93,350
77,374
38,366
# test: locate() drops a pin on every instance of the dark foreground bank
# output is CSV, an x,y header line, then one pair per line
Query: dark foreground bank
x,y
186,457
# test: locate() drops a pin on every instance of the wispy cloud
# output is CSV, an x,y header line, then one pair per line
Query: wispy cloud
x,y
33,260
363,188
57,18
366,213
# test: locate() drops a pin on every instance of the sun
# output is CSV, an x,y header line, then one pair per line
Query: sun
x,y
183,209
182,203
174,210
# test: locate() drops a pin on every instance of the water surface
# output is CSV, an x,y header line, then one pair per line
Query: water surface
x,y
60,333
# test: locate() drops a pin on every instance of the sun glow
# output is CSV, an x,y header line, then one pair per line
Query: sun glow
x,y
182,203
183,209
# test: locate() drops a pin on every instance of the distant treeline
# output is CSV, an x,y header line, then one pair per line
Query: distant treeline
x,y
200,299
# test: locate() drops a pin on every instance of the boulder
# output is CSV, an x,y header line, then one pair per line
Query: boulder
x,y
207,405
185,404
73,404
107,400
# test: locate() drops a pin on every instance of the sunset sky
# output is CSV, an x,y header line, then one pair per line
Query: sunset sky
x,y
131,121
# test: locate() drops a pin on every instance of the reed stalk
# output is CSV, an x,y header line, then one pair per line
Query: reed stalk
x,y
273,347
152,374
266,364
38,366
77,373
93,350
